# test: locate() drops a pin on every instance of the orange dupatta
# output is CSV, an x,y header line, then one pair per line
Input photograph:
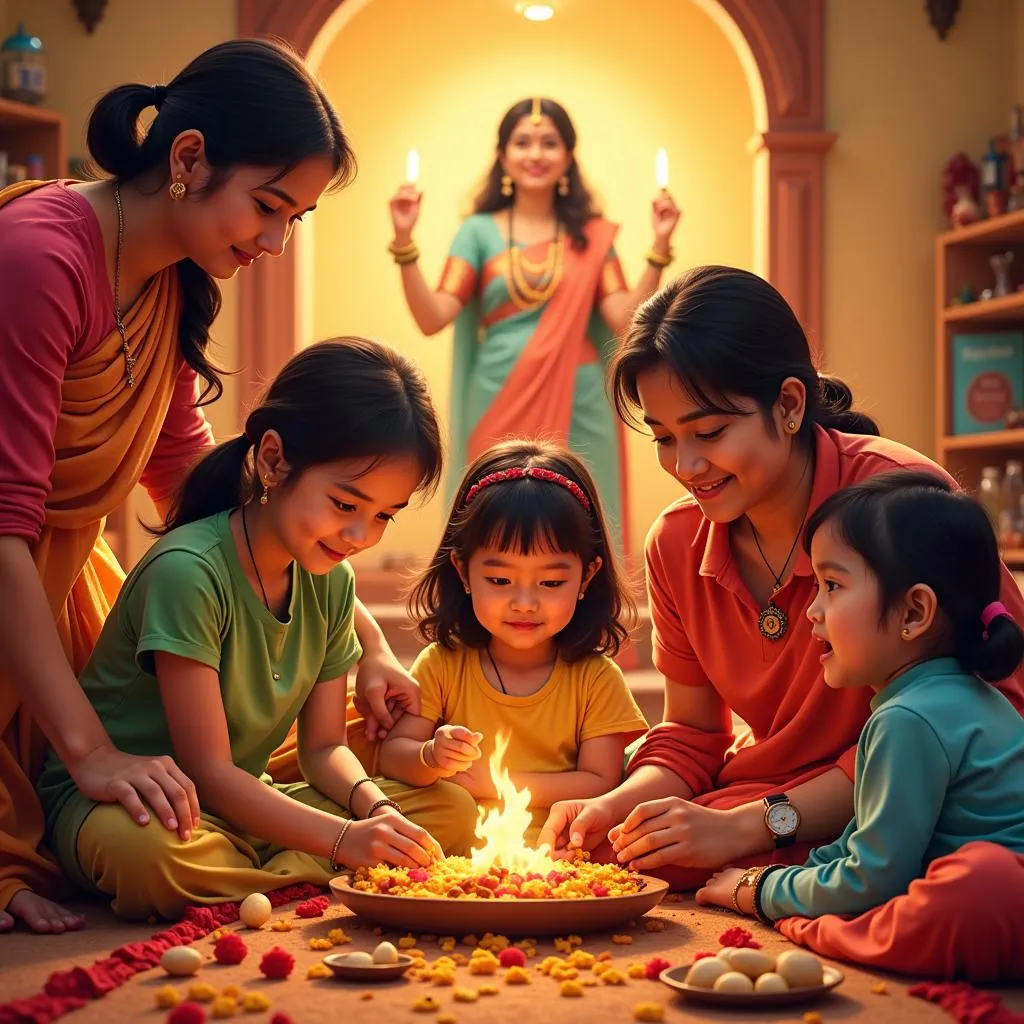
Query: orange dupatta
x,y
536,398
105,435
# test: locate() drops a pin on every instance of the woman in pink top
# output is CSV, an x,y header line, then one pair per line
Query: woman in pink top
x,y
107,293
717,367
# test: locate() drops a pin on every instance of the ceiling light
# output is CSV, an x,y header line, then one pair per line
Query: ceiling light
x,y
538,12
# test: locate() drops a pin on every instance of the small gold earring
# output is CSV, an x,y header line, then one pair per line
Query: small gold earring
x,y
791,426
563,185
905,632
466,585
178,189
583,594
506,186
265,496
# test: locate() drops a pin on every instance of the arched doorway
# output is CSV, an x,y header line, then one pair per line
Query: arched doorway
x,y
781,45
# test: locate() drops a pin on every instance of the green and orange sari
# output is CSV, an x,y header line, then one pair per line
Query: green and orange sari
x,y
536,371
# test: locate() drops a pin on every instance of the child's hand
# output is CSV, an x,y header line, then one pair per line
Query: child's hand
x,y
476,780
718,890
455,748
390,837
384,692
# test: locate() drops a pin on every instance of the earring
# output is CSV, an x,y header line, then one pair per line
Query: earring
x,y
563,185
178,189
265,496
791,426
466,586
506,186
583,594
905,632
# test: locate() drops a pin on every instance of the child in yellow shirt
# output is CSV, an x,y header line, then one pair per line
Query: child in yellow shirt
x,y
521,605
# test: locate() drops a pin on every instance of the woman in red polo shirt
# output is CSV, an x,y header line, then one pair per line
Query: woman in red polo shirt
x,y
717,366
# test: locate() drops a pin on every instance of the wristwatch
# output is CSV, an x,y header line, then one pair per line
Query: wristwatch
x,y
782,819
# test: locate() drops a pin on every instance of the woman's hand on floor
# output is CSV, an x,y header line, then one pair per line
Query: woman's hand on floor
x,y
111,776
675,831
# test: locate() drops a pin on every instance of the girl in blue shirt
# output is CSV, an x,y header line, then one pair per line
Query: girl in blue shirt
x,y
931,868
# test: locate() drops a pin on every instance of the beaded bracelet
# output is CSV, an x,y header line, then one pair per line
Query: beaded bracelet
x,y
384,802
352,793
345,825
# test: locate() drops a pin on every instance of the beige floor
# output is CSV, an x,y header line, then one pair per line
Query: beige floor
x,y
26,961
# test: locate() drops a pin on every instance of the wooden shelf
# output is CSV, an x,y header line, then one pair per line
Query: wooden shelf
x,y
983,442
1006,307
1009,227
13,113
1012,556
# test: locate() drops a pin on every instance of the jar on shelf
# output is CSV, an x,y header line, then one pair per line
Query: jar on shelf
x,y
1012,490
990,494
23,68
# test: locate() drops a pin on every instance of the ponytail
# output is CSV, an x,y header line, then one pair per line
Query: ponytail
x,y
113,132
833,411
993,653
221,480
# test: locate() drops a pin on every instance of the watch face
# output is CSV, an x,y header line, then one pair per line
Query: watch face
x,y
783,819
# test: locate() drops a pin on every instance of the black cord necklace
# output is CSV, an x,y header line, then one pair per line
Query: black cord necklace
x,y
252,557
773,621
494,665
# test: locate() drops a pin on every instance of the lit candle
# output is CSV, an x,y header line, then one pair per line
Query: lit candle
x,y
412,167
661,169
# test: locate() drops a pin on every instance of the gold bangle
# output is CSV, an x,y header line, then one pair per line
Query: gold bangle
x,y
749,877
401,250
408,258
345,825
657,260
423,756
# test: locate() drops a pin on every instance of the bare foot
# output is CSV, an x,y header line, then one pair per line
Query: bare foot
x,y
6,922
41,915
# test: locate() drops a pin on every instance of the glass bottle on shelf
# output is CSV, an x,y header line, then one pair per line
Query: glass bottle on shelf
x,y
1009,513
990,494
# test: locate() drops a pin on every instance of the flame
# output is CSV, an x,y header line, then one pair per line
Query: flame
x,y
502,829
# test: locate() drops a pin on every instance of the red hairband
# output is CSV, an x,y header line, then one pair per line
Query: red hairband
x,y
534,473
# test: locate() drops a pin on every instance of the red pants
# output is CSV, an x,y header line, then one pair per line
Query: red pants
x,y
964,919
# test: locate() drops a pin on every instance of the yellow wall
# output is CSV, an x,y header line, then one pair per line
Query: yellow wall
x,y
903,103
441,86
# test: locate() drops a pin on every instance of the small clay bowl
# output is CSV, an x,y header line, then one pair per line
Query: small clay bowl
x,y
367,972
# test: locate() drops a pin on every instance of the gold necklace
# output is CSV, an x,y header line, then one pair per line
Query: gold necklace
x,y
527,294
129,359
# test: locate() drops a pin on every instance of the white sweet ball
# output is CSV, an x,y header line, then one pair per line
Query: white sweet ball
x,y
799,968
771,982
725,952
385,953
181,961
751,962
255,910
706,971
358,959
733,982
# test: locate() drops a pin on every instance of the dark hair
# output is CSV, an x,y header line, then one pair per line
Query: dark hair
x,y
573,210
725,332
912,527
343,399
256,105
524,515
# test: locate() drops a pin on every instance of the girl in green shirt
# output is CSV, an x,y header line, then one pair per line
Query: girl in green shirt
x,y
239,623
